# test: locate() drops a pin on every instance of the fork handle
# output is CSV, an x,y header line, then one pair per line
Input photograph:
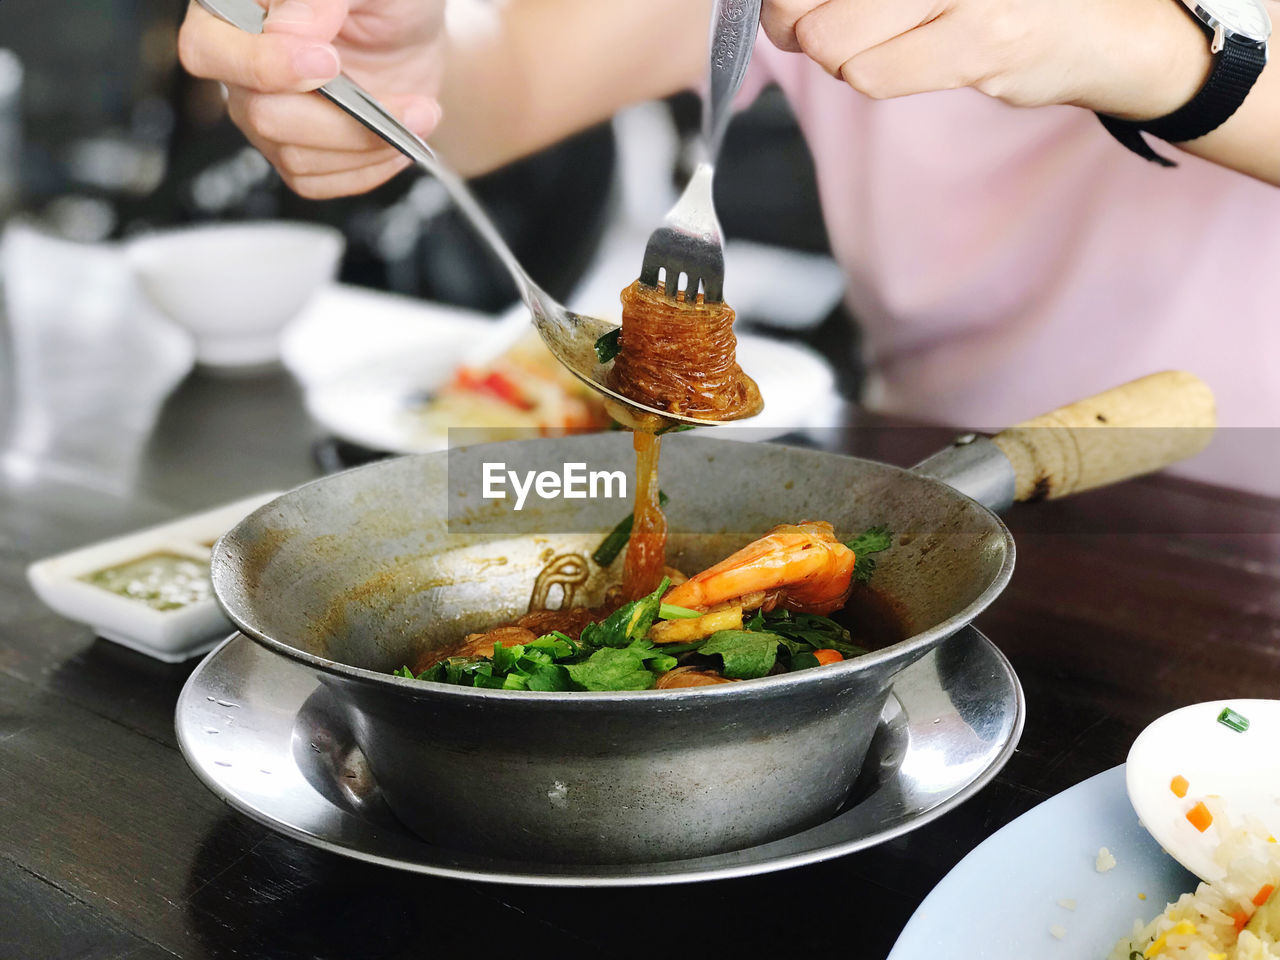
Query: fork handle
x,y
734,24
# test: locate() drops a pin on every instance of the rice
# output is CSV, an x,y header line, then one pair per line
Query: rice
x,y
1208,924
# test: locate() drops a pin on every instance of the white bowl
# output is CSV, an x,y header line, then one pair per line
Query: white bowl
x,y
233,287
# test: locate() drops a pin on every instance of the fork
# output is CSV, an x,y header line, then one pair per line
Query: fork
x,y
689,244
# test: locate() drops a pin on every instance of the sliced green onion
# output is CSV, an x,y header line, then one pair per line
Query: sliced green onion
x,y
1236,721
669,611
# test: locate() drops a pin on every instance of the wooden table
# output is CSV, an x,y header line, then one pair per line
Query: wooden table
x,y
1125,604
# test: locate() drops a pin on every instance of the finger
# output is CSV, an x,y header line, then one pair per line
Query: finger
x,y
306,120
840,29
314,19
272,62
327,186
294,161
926,59
779,17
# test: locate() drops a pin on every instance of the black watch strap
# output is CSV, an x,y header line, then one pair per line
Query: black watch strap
x,y
1235,70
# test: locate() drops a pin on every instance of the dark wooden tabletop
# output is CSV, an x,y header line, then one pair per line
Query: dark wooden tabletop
x,y
1126,603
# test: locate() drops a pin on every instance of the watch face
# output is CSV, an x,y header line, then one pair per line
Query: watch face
x,y
1248,18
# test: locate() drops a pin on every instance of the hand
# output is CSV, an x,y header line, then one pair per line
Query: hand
x,y
394,48
1136,59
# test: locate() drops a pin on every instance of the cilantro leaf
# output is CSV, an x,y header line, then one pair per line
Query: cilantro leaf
x,y
607,345
559,645
612,668
504,657
871,541
747,654
546,676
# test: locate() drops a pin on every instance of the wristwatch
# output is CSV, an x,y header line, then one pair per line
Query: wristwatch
x,y
1238,31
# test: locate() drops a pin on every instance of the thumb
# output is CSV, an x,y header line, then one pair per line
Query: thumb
x,y
313,19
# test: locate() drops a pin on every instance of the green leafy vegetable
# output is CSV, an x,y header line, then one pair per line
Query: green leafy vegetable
x,y
607,345
863,545
612,545
747,654
612,669
803,661
675,428
544,675
817,632
633,667
629,622
404,672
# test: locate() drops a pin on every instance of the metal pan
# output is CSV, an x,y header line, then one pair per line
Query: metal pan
x,y
354,574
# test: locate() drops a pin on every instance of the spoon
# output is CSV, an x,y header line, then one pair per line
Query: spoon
x,y
1204,745
571,337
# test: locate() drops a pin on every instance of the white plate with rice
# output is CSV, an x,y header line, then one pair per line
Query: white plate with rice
x,y
1034,889
1079,876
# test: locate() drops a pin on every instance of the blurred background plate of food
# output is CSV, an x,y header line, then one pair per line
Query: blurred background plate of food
x,y
394,375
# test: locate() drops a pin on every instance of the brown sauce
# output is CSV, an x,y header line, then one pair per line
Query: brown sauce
x,y
646,548
872,619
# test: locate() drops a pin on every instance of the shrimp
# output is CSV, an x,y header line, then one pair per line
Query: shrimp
x,y
800,566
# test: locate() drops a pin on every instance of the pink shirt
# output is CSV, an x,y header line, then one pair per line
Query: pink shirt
x,y
1004,261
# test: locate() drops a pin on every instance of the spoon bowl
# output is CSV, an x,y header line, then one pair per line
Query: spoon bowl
x,y
1203,745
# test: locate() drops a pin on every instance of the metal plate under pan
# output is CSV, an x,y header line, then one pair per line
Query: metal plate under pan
x,y
260,731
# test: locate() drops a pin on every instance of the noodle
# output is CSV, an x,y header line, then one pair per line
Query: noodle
x,y
679,357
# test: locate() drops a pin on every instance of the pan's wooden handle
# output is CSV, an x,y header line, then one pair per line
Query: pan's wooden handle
x,y
1132,429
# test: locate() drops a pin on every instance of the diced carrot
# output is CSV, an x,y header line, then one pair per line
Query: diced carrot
x,y
1179,786
1200,817
1263,894
828,656
1240,917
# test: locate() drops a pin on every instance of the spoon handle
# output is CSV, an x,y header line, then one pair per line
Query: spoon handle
x,y
359,103
734,24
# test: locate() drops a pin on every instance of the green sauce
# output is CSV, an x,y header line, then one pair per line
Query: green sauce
x,y
163,581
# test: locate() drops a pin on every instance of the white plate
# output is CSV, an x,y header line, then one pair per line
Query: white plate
x,y
168,635
1000,902
1242,767
366,359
